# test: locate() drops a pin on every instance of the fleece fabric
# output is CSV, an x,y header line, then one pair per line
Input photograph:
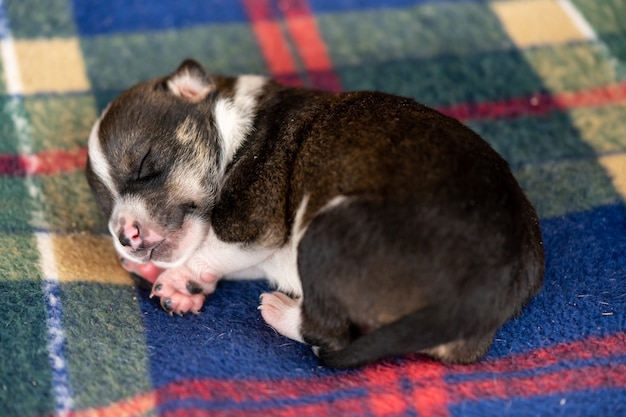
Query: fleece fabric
x,y
543,81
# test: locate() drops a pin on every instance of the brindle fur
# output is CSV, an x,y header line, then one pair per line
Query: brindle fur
x,y
435,247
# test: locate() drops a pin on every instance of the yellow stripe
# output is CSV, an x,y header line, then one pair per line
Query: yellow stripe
x,y
536,22
615,166
51,65
88,258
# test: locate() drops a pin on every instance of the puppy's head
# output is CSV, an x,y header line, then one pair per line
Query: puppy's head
x,y
154,166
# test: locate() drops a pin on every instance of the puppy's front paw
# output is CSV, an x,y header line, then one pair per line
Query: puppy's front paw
x,y
282,313
181,292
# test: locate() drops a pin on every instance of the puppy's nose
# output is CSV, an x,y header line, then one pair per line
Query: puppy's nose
x,y
130,235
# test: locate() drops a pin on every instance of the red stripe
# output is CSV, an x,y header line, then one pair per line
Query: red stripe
x,y
538,104
273,44
587,349
423,374
388,400
586,378
311,47
303,31
54,162
377,388
346,407
431,398
43,163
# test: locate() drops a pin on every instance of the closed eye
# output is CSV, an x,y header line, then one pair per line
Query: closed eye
x,y
144,168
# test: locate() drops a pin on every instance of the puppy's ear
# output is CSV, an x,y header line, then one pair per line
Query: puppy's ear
x,y
190,82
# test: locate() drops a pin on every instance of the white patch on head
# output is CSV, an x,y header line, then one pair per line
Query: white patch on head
x,y
234,116
99,163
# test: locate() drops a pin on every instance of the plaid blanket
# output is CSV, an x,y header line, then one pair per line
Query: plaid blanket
x,y
544,81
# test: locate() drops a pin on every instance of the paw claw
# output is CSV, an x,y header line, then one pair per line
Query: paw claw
x,y
167,305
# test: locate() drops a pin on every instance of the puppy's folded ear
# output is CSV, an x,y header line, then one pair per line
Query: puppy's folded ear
x,y
190,82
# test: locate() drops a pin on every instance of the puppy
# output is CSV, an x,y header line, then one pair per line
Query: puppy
x,y
386,227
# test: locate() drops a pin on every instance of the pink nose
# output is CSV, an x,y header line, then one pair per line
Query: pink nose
x,y
135,236
130,235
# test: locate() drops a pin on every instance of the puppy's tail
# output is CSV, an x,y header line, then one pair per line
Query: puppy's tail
x,y
418,332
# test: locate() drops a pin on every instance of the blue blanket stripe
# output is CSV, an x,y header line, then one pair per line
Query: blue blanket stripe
x,y
57,348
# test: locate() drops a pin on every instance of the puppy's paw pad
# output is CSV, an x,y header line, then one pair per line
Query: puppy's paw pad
x,y
282,313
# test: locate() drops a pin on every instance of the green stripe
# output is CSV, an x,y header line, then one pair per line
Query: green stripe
x,y
106,349
606,16
16,205
69,204
565,187
3,83
448,80
19,257
25,375
534,139
433,29
602,127
227,49
60,122
40,18
8,135
617,46
573,67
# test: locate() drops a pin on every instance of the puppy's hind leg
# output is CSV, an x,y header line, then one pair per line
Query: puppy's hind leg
x,y
283,313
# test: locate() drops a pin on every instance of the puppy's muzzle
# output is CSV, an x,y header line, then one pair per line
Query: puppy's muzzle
x,y
139,241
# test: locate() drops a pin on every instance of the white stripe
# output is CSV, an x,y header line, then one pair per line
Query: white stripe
x,y
579,20
48,265
54,324
11,66
47,259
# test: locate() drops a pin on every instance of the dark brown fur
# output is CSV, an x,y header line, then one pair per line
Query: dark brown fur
x,y
437,247
440,225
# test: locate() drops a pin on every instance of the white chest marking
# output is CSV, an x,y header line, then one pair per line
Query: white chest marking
x,y
282,267
234,116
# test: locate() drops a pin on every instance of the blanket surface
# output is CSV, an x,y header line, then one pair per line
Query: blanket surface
x,y
543,81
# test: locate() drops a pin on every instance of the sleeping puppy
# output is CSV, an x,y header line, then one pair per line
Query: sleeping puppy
x,y
386,227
